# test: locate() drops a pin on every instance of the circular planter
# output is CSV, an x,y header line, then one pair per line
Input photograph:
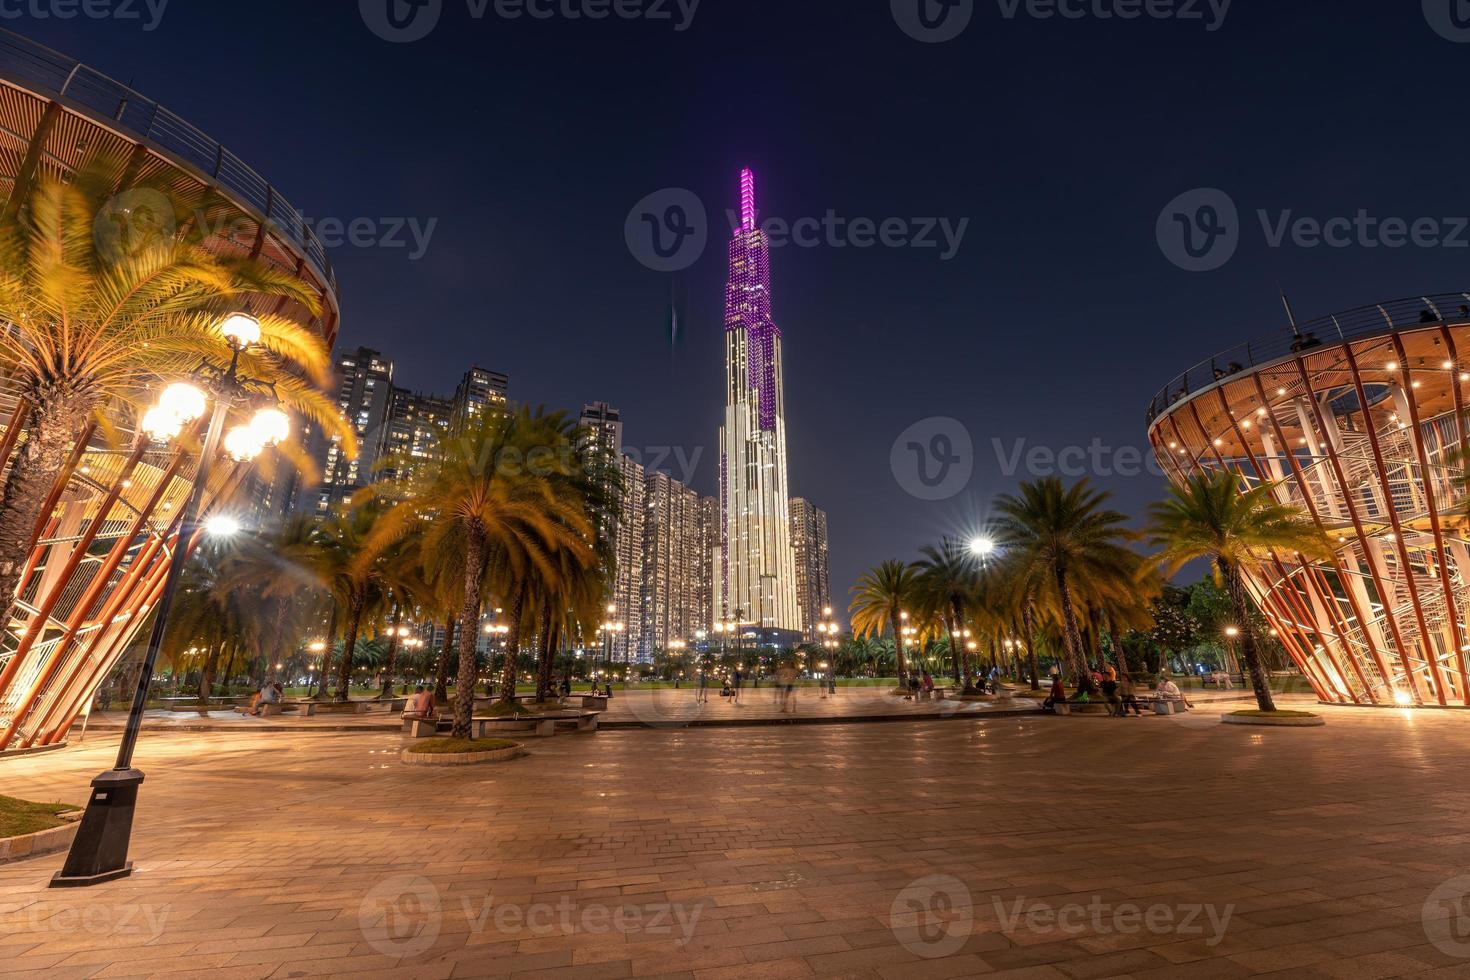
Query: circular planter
x,y
1268,721
42,841
413,758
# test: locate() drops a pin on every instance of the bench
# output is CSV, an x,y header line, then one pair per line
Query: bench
x,y
596,702
419,727
586,721
542,726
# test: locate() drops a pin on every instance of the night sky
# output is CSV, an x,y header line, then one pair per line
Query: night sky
x,y
1061,141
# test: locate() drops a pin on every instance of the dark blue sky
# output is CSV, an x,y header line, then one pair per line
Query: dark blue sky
x,y
1060,140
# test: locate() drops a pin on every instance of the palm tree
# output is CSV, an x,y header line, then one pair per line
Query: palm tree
x,y
269,568
951,576
347,560
1209,516
880,601
476,497
87,328
1068,533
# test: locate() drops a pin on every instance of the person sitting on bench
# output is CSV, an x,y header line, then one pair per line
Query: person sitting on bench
x,y
422,706
269,694
1058,694
1167,690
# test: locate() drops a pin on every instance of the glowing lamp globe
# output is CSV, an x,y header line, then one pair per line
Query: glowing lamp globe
x,y
160,424
187,402
241,330
243,443
982,546
272,425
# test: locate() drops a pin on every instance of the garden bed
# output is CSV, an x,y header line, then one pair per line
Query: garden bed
x,y
1274,719
460,751
31,829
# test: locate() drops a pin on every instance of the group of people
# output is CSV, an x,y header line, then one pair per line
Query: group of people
x,y
1117,690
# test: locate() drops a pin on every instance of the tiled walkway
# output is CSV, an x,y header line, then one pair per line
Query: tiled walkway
x,y
657,709
1009,847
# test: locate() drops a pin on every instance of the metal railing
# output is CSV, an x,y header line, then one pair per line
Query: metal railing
x,y
50,72
1383,318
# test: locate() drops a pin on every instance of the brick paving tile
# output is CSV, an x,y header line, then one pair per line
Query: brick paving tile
x,y
771,851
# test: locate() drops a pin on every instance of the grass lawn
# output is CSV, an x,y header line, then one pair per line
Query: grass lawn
x,y
434,746
20,817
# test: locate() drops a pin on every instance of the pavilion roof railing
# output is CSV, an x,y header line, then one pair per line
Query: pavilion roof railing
x,y
1380,318
36,65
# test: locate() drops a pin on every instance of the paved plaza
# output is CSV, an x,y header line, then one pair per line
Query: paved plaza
x,y
1017,847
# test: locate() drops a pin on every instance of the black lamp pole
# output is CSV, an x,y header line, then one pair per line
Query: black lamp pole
x,y
99,852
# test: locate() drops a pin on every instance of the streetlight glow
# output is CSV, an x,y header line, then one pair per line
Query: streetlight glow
x,y
982,546
221,526
241,330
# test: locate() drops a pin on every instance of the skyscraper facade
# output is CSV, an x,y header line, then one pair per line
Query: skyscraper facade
x,y
416,429
673,564
478,390
813,578
627,548
757,567
364,394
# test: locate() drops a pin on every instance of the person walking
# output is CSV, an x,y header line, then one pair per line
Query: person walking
x,y
739,679
1127,698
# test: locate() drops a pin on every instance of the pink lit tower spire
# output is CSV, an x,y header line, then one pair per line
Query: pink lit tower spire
x,y
756,568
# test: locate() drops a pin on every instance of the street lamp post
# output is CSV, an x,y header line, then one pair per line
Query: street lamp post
x,y
99,852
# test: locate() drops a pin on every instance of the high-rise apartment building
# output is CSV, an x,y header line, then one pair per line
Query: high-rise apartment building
x,y
627,549
364,394
813,579
673,564
757,568
478,390
710,524
416,429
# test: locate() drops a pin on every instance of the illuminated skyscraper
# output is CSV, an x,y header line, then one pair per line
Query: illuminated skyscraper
x,y
757,573
813,580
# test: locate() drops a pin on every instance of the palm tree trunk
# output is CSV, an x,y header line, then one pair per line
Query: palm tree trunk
x,y
321,686
1072,635
52,432
1248,650
349,645
469,634
1028,619
899,660
206,676
545,656
441,681
387,691
517,610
